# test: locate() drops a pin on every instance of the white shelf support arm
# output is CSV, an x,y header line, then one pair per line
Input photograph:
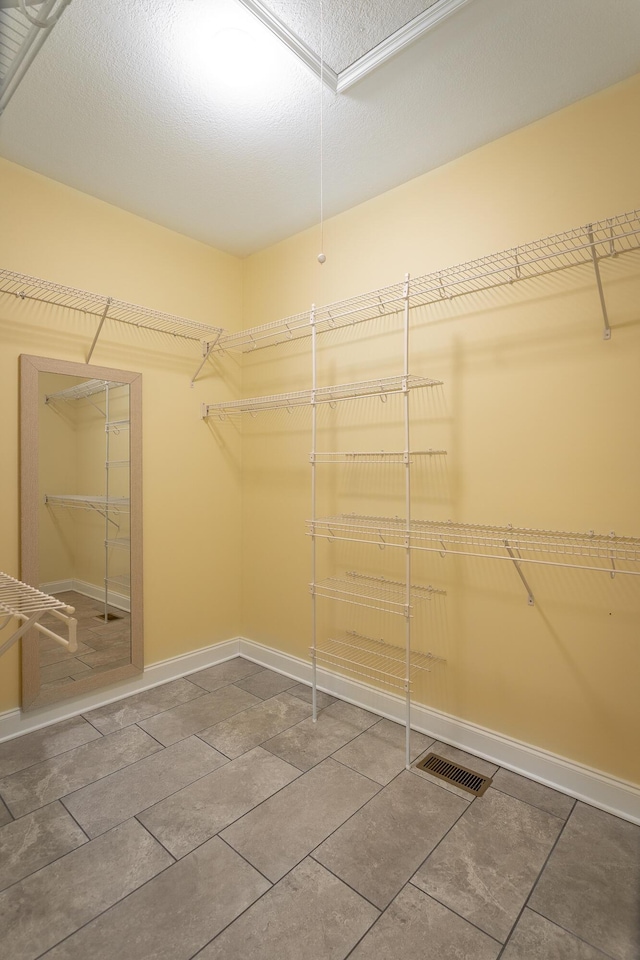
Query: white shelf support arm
x,y
207,350
606,335
99,330
514,553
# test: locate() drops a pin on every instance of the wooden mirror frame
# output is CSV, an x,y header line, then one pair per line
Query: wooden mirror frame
x,y
33,696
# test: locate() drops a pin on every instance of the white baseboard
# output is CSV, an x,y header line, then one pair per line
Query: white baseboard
x,y
118,600
618,797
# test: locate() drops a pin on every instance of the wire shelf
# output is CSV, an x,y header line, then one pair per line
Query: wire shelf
x,y
123,580
493,542
377,660
82,502
373,456
46,291
377,593
83,390
599,240
382,387
119,543
115,426
19,599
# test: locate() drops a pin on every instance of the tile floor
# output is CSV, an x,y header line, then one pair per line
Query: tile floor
x,y
101,646
209,818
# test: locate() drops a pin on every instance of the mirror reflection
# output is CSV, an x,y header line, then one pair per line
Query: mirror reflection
x,y
84,543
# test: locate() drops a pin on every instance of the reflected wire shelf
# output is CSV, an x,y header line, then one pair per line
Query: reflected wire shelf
x,y
373,456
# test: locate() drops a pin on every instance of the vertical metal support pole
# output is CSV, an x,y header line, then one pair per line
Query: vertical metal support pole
x,y
607,329
407,476
99,330
314,409
106,505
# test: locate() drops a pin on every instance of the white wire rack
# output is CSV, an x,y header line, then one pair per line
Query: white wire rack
x,y
373,660
22,33
376,593
81,391
588,244
119,543
27,604
372,456
46,291
116,426
87,502
382,388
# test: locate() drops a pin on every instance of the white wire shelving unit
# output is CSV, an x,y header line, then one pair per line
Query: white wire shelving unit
x,y
588,245
373,660
376,593
22,602
111,508
104,308
382,388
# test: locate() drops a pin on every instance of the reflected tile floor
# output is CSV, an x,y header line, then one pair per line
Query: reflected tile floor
x,y
210,818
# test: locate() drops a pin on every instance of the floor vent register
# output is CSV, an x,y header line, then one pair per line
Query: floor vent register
x,y
453,773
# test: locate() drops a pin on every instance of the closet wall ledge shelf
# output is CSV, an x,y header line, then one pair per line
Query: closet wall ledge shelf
x,y
381,387
481,540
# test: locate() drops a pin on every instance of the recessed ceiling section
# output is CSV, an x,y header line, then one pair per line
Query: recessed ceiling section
x,y
349,40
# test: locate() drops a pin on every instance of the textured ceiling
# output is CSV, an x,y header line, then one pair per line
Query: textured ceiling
x,y
349,29
147,105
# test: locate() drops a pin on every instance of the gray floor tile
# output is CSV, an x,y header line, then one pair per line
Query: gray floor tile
x,y
483,767
379,752
266,683
118,650
222,673
253,726
284,829
61,653
591,883
173,915
308,743
32,842
33,747
559,804
415,927
309,915
64,668
142,705
41,910
182,721
5,816
40,784
121,795
382,845
305,693
197,812
536,938
486,867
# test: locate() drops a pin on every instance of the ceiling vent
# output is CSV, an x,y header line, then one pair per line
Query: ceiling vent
x,y
24,27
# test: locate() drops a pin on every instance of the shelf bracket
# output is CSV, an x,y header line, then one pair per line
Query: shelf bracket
x,y
606,335
99,330
514,553
207,349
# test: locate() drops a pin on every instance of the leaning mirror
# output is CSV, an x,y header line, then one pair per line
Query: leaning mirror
x,y
81,533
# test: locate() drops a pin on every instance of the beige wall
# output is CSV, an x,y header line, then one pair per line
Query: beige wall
x,y
191,482
538,414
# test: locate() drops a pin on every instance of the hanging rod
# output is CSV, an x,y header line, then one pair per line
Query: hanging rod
x,y
23,602
46,291
381,388
588,244
373,659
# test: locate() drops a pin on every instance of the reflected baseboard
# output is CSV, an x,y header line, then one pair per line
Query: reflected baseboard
x,y
92,590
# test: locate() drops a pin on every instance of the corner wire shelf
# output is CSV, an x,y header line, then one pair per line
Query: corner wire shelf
x,y
25,603
381,388
376,593
373,660
588,244
488,542
97,305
